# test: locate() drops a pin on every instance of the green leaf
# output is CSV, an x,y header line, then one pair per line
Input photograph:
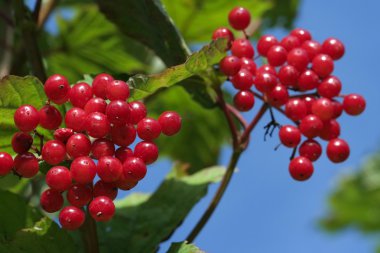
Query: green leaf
x,y
184,247
141,222
147,22
45,167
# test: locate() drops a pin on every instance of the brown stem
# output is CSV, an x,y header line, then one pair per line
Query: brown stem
x,y
36,11
45,11
41,136
6,61
90,235
245,137
237,115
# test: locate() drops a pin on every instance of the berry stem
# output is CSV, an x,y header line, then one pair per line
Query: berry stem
x,y
245,137
237,115
41,136
89,234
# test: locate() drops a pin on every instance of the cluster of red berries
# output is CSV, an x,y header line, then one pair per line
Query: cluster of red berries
x,y
297,76
100,119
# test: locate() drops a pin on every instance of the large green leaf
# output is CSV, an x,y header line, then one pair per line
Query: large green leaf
x,y
142,221
184,247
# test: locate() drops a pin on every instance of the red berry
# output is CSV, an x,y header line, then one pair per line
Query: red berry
x,y
338,150
244,100
79,195
26,118
75,119
288,76
123,135
26,165
242,48
301,168
102,147
334,48
123,153
83,170
117,90
354,104
265,81
323,65
249,65
95,105
243,80
296,109
102,188
331,130
289,42
63,134
97,125
50,117
330,87
309,102
265,43
80,94
277,96
323,108
148,129
134,168
118,112
290,136
312,48
311,126
147,151
266,68
137,112
6,163
310,149
170,122
239,18
308,80
125,184
298,58
99,85
302,34
276,55
78,145
102,208
53,152
71,218
109,169
21,142
58,178
338,109
51,201
57,89
223,32
230,65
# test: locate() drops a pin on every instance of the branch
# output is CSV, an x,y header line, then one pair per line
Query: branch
x,y
45,11
6,18
245,137
90,234
36,11
237,115
5,64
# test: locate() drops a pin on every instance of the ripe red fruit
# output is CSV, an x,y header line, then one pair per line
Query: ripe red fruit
x,y
312,48
123,135
323,65
230,65
239,18
75,119
288,76
50,117
266,68
83,170
302,34
95,105
354,104
309,102
137,112
57,89
71,218
301,168
338,109
134,169
53,152
109,169
265,81
102,188
123,153
117,90
170,122
331,130
51,201
125,184
298,58
334,48
21,142
26,165
97,125
289,42
63,134
290,136
78,145
58,178
244,100
296,109
243,80
147,151
276,55
99,85
277,96
308,80
330,87
223,32
148,129
6,163
242,48
265,43
310,149
26,118
102,147
311,126
102,208
337,150
323,108
80,94
249,65
118,112
79,195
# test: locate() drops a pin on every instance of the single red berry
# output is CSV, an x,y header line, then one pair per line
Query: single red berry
x,y
170,122
302,34
21,142
311,126
6,163
51,201
298,58
243,80
83,170
123,135
289,42
296,109
242,48
53,152
99,85
334,48
118,112
26,165
288,76
125,184
309,100
239,18
337,150
323,108
147,151
230,65
80,94
354,104
57,89
50,117
102,188
265,81
148,129
290,136
97,125
338,109
308,80
78,145
123,153
223,32
134,168
278,96
71,218
102,208
323,65
109,169
301,168
244,100
137,112
63,134
102,147
310,149
265,43
95,105
266,68
26,118
117,90
331,130
79,195
58,178
330,87
75,119
276,55
249,65
312,48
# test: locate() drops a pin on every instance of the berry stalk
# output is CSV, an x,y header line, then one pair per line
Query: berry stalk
x,y
90,235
